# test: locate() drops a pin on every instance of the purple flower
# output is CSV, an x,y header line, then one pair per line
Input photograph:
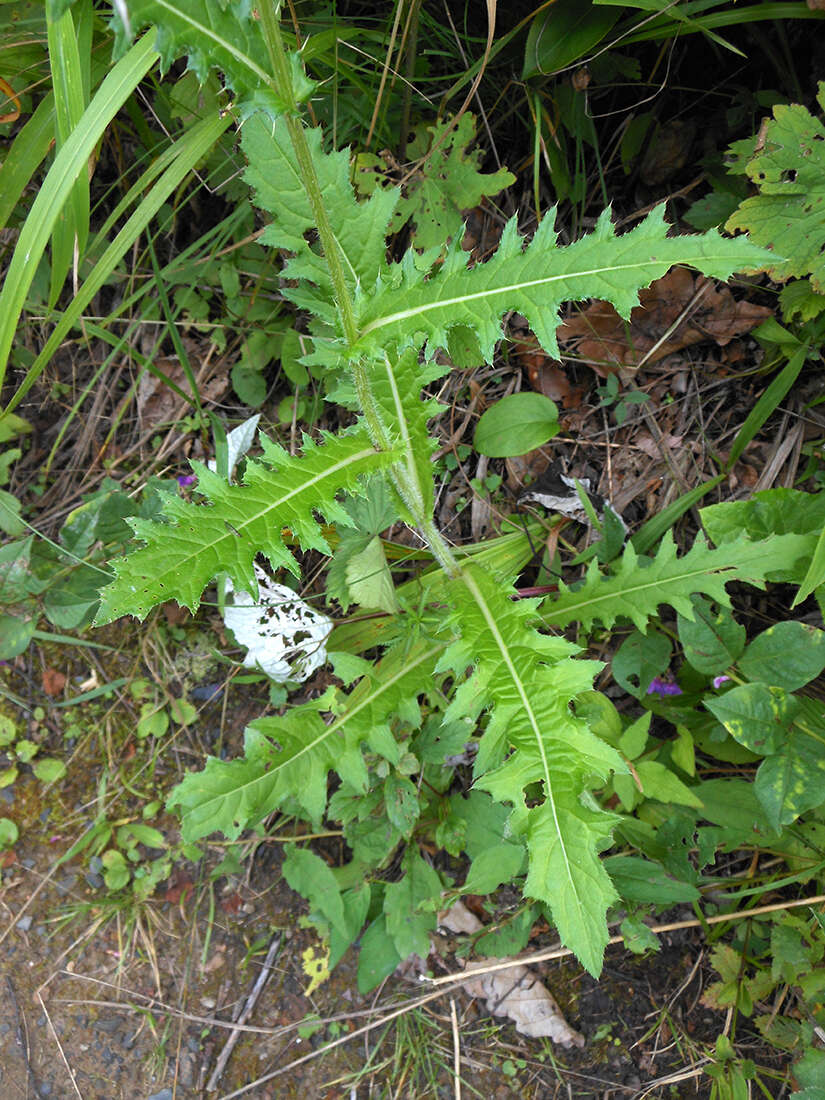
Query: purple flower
x,y
185,480
658,686
719,680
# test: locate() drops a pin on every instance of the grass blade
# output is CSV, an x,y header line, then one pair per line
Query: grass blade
x,y
71,230
187,153
53,195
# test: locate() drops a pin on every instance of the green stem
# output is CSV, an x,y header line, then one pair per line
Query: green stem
x,y
439,547
329,243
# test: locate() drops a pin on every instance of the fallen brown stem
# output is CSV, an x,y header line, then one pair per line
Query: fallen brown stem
x,y
561,952
251,1001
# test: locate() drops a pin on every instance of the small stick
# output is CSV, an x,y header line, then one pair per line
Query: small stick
x,y
251,1001
563,952
69,1069
22,1036
456,1050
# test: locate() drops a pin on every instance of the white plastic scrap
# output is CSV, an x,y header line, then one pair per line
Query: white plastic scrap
x,y
238,442
286,638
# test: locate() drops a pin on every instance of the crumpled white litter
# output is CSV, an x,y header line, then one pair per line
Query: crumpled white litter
x,y
286,638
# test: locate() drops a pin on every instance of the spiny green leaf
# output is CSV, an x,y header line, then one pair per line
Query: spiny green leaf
x,y
396,383
197,542
414,304
290,756
565,872
212,33
360,227
636,589
526,680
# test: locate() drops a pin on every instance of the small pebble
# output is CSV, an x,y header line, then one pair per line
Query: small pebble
x,y
66,884
164,1094
109,1024
94,880
25,923
206,693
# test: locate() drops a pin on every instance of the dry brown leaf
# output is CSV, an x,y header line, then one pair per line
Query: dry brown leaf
x,y
158,404
174,613
600,337
53,681
547,375
515,992
653,447
667,152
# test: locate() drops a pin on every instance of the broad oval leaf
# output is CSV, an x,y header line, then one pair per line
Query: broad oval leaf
x,y
713,639
645,881
565,33
516,424
791,781
757,716
8,832
787,655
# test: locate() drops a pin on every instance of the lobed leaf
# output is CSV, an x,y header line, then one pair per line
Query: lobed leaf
x,y
636,588
448,183
788,214
289,757
526,681
413,304
200,541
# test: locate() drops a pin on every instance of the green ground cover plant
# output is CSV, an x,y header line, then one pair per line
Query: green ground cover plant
x,y
446,668
487,656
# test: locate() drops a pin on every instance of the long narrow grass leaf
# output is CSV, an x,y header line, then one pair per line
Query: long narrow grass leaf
x,y
71,229
56,188
181,158
26,153
767,403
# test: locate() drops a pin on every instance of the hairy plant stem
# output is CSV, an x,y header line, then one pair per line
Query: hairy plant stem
x,y
283,86
346,310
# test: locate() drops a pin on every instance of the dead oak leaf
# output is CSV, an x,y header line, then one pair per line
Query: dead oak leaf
x,y
699,310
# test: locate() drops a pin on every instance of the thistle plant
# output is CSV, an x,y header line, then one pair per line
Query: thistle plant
x,y
461,659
